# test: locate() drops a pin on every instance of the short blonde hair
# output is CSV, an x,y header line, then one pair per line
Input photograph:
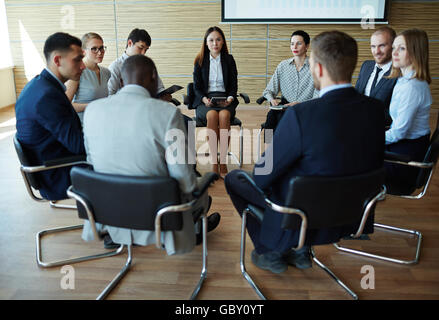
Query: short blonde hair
x,y
88,36
417,48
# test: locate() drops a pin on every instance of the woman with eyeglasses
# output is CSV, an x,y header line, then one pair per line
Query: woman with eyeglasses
x,y
93,82
409,107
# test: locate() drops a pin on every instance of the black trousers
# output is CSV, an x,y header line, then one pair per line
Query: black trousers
x,y
401,179
242,194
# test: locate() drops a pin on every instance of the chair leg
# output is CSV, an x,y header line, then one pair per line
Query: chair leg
x,y
119,276
259,141
239,161
242,259
204,267
399,261
332,275
42,264
53,204
241,147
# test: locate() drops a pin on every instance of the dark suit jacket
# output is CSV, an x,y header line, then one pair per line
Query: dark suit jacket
x,y
339,134
48,128
230,77
383,89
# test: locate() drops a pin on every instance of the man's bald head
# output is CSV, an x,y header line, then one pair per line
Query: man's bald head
x,y
140,70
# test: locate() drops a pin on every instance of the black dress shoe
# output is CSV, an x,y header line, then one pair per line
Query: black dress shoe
x,y
109,244
212,222
301,259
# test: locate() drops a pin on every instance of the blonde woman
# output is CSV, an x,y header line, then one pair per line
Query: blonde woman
x,y
409,108
93,82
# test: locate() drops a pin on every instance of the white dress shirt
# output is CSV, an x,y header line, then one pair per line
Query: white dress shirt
x,y
384,69
409,109
216,80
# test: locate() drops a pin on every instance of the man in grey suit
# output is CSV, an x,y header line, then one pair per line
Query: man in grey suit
x,y
131,133
372,79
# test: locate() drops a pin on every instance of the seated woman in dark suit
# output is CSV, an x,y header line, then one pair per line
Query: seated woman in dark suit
x,y
409,108
215,75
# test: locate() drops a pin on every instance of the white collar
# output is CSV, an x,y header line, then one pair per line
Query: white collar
x,y
385,67
59,81
334,87
217,59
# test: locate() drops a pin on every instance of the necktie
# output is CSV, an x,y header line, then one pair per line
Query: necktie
x,y
376,78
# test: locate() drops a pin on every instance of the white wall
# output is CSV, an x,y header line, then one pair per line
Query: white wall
x,y
7,87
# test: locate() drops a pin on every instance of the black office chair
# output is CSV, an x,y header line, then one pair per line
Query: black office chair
x,y
142,203
260,101
422,182
316,203
30,178
28,171
188,100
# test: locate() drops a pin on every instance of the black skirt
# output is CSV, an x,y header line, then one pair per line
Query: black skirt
x,y
202,110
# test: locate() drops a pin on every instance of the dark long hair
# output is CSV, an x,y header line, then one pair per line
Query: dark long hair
x,y
205,50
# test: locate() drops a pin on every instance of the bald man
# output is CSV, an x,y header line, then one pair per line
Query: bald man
x,y
129,133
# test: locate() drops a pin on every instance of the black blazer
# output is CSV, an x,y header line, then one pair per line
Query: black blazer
x,y
339,134
383,89
230,76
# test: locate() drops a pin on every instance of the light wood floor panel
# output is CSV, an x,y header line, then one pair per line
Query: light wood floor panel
x,y
155,276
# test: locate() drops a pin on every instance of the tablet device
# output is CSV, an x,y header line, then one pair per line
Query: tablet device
x,y
172,89
217,100
278,107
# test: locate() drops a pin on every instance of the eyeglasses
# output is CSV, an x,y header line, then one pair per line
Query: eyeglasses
x,y
96,49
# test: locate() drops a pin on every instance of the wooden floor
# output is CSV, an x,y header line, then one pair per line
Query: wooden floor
x,y
157,276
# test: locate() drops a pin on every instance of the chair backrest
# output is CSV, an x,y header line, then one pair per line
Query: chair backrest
x,y
332,201
431,156
24,161
126,201
190,96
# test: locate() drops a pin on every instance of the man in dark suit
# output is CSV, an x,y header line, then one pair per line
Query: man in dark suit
x,y
339,134
372,79
47,125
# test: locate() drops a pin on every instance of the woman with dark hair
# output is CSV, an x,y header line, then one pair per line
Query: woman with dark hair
x,y
215,75
293,78
409,107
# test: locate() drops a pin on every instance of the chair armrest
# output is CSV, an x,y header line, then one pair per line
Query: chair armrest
x,y
65,160
57,163
406,160
245,97
396,156
175,101
261,100
185,99
206,180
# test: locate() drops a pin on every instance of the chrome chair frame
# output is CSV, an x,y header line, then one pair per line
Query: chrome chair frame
x,y
42,233
239,161
169,209
303,227
34,169
415,233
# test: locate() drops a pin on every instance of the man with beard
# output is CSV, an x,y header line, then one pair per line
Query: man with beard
x,y
372,80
